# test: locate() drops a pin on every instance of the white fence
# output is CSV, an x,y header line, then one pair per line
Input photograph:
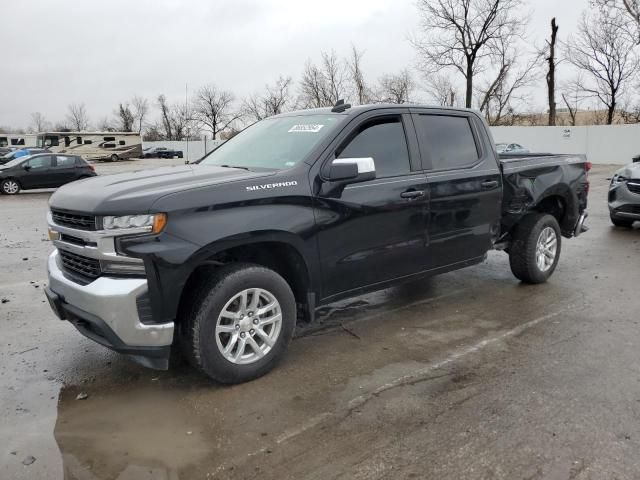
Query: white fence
x,y
613,144
192,150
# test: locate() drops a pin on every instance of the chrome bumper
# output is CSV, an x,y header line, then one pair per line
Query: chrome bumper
x,y
113,301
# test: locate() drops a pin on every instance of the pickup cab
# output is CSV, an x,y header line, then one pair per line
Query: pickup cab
x,y
221,258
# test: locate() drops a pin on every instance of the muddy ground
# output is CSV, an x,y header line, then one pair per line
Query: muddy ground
x,y
469,375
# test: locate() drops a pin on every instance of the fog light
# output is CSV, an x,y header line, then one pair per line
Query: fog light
x,y
54,235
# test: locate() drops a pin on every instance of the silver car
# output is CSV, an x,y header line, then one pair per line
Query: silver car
x,y
624,195
511,148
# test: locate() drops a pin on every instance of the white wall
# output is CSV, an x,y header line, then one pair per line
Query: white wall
x,y
192,150
609,144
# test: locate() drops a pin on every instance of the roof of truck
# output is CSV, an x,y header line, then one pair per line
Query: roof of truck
x,y
357,109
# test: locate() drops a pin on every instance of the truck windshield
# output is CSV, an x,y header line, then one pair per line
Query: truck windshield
x,y
274,143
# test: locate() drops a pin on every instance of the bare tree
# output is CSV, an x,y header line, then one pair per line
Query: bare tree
x,y
77,117
213,109
572,97
498,94
603,51
140,111
38,122
551,72
165,115
458,34
125,118
396,88
362,93
324,85
441,89
274,100
105,125
629,7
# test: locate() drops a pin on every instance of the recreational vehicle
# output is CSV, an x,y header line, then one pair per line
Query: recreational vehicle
x,y
18,140
111,146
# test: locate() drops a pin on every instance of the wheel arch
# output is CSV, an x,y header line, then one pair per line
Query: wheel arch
x,y
562,203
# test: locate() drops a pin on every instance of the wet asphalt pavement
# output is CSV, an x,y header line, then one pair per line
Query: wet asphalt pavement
x,y
469,375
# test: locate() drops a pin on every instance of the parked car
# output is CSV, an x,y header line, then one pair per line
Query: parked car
x,y
151,152
223,256
23,152
42,171
624,196
5,150
511,148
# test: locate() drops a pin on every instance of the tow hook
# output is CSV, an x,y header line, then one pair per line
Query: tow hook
x,y
580,226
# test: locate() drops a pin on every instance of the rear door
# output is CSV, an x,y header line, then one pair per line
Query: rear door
x,y
465,185
374,231
63,171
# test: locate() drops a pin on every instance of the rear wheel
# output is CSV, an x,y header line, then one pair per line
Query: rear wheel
x,y
621,222
10,186
239,323
535,249
114,158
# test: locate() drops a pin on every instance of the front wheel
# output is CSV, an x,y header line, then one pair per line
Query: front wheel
x,y
114,158
10,186
239,322
535,249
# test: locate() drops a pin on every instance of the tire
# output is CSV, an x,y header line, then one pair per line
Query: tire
x,y
10,186
621,222
530,261
114,158
204,344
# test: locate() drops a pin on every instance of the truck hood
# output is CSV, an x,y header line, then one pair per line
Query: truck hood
x,y
135,192
630,171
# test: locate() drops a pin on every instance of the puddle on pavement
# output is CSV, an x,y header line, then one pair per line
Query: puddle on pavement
x,y
177,425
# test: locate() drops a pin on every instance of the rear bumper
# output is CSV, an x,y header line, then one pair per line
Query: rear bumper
x,y
106,311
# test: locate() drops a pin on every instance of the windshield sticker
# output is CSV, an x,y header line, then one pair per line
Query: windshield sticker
x,y
309,128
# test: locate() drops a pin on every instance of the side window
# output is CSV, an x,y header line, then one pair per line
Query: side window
x,y
109,139
62,161
108,145
88,142
67,141
122,142
383,140
3,142
17,141
39,162
51,141
448,141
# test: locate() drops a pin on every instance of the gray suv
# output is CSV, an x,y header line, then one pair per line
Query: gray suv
x,y
624,196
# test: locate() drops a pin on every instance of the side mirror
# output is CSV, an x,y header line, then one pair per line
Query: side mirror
x,y
27,167
352,170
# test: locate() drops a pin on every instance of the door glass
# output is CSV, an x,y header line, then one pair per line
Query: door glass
x,y
39,162
65,162
447,140
383,140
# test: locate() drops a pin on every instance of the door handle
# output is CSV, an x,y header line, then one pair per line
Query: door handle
x,y
489,184
412,194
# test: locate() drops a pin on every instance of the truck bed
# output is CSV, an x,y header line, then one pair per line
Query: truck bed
x,y
530,179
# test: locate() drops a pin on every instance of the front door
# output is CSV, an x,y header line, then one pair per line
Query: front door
x,y
37,172
374,231
464,184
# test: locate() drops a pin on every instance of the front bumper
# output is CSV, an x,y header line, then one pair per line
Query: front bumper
x,y
624,203
106,311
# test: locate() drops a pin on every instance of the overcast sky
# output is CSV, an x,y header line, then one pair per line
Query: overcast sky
x,y
101,53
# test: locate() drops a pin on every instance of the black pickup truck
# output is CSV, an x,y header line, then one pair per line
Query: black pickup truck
x,y
223,257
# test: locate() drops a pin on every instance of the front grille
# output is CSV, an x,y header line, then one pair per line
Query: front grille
x,y
634,186
74,220
85,266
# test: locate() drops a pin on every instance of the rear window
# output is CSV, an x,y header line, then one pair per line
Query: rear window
x,y
447,140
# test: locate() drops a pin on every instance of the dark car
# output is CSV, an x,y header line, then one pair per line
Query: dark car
x,y
42,171
23,152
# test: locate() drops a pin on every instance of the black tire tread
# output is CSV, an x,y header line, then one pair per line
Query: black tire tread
x,y
523,245
194,313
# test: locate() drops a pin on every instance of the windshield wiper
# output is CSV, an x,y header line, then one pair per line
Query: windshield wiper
x,y
234,166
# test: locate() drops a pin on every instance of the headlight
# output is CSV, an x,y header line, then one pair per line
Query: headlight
x,y
153,223
618,179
